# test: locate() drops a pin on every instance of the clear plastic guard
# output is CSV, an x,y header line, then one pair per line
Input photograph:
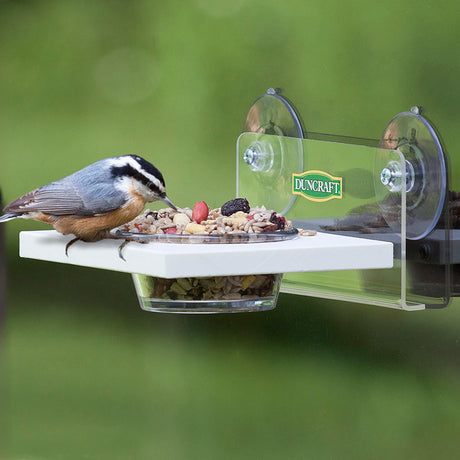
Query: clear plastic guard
x,y
341,188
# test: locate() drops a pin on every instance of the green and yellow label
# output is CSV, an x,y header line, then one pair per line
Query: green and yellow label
x,y
317,186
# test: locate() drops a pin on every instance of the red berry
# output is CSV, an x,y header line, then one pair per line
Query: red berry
x,y
200,212
279,221
170,230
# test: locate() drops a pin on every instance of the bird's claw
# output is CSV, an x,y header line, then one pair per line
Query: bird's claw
x,y
122,245
120,249
67,246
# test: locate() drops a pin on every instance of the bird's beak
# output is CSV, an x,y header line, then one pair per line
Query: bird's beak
x,y
168,201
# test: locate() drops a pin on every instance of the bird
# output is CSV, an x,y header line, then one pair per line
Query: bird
x,y
94,200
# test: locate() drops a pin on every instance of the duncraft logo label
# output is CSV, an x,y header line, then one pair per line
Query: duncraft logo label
x,y
317,186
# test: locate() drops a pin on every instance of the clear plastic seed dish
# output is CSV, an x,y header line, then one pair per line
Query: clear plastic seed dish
x,y
213,294
210,294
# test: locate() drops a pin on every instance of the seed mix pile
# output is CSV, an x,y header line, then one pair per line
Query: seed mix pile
x,y
234,216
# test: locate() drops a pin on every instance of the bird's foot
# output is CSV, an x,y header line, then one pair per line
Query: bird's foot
x,y
67,246
127,240
122,246
120,249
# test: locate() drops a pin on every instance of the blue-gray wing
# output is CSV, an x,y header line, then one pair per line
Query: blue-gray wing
x,y
87,192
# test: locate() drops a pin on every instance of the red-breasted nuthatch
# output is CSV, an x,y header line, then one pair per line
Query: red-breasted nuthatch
x,y
94,200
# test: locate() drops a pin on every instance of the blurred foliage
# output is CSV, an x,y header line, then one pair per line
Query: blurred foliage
x,y
89,375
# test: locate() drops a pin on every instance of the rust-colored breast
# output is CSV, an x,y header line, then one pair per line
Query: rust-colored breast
x,y
97,227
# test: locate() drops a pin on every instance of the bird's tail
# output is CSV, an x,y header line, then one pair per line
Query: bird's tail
x,y
9,216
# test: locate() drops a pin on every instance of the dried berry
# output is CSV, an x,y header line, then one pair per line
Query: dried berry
x,y
170,230
279,221
232,206
200,212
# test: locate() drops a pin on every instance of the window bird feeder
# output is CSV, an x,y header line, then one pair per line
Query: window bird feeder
x,y
381,210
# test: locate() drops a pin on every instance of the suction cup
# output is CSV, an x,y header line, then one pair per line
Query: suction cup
x,y
272,161
424,174
273,114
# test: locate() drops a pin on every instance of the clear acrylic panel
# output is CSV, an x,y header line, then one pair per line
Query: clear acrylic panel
x,y
349,189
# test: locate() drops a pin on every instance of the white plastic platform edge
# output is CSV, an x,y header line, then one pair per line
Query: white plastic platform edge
x,y
167,260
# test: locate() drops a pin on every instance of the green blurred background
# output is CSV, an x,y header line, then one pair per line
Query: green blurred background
x,y
86,374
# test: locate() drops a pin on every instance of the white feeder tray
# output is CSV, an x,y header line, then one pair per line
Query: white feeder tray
x,y
322,252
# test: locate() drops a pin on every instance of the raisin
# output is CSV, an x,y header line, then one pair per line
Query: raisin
x,y
232,206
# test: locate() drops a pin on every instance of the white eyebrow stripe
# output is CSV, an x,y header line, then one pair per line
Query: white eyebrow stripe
x,y
149,176
122,161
